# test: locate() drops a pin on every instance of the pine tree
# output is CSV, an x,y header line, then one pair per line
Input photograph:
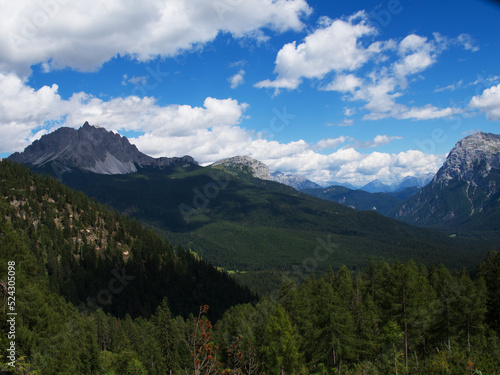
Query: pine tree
x,y
280,347
167,335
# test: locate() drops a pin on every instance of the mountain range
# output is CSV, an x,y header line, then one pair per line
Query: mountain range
x,y
377,186
382,202
231,217
462,194
93,149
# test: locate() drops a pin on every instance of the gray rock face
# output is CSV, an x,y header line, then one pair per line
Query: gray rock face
x,y
259,169
472,157
466,185
296,181
93,149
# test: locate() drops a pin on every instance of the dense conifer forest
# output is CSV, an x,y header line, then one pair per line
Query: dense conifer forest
x,y
97,293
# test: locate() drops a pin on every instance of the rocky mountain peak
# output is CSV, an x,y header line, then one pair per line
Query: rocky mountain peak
x,y
259,169
464,192
90,148
475,154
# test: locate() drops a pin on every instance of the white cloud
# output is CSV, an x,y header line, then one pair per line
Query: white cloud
x,y
23,110
137,81
330,143
345,122
450,87
46,108
468,42
339,48
349,111
350,165
237,79
84,35
334,46
381,88
344,83
417,54
488,102
379,140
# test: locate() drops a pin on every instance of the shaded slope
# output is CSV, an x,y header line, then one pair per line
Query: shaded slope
x,y
96,258
243,223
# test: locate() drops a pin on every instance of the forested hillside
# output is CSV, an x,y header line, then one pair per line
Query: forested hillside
x,y
94,256
246,224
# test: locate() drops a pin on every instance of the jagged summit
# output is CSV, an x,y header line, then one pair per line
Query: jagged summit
x,y
477,153
258,169
464,192
91,148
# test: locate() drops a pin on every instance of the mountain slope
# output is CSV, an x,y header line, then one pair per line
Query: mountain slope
x,y
90,148
464,195
80,246
249,224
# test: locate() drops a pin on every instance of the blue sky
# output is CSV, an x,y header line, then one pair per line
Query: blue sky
x,y
337,91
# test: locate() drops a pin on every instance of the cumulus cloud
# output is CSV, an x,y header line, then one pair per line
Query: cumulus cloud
x,y
488,102
417,54
350,165
381,88
84,35
23,110
376,72
334,46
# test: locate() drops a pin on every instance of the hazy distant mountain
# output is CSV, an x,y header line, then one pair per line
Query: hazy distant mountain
x,y
344,184
375,187
296,181
465,192
358,199
411,181
374,196
93,149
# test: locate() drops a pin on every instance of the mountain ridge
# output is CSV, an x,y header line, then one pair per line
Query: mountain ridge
x,y
93,149
464,191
